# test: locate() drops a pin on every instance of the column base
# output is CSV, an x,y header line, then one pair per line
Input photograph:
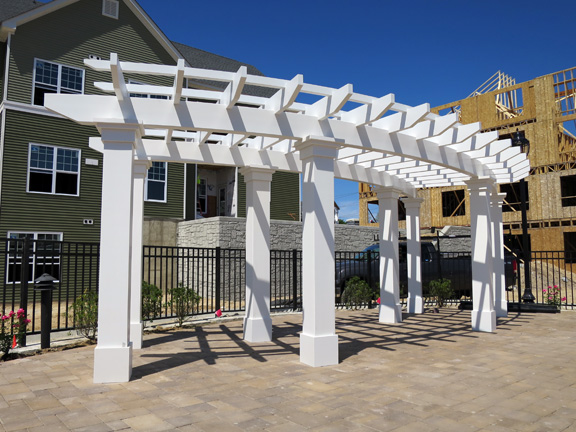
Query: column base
x,y
319,351
112,364
390,314
257,329
415,305
136,332
484,321
501,309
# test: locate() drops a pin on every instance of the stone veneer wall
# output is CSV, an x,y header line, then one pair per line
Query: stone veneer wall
x,y
229,232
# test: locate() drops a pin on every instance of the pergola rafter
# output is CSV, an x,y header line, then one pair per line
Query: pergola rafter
x,y
372,135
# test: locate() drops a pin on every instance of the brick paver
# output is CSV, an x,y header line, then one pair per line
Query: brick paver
x,y
429,373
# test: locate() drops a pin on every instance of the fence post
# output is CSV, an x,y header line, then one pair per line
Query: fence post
x,y
369,263
218,279
438,255
24,276
295,278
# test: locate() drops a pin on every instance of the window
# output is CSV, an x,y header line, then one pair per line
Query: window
x,y
453,203
202,201
512,202
156,182
568,190
55,78
53,170
401,211
222,202
110,8
143,95
43,257
570,247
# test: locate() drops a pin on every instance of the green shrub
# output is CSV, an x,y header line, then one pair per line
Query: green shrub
x,y
441,289
84,313
357,292
183,301
151,301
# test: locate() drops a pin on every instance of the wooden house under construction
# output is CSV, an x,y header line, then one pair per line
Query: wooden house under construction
x,y
543,111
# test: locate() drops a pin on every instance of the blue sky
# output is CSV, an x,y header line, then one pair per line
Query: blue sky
x,y
434,51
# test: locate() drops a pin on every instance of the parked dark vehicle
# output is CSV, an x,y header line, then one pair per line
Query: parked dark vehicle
x,y
456,266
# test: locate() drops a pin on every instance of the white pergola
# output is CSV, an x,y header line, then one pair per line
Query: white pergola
x,y
343,134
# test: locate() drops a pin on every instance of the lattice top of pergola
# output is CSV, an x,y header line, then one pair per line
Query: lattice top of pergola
x,y
380,141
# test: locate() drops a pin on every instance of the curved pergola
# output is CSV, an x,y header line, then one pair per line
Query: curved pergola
x,y
342,134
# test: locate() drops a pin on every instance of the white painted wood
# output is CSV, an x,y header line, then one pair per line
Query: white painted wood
x,y
113,354
483,313
140,171
318,340
413,249
390,307
257,322
499,281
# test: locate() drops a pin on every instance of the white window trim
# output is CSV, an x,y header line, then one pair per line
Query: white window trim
x,y
116,2
35,234
165,186
54,171
145,95
58,86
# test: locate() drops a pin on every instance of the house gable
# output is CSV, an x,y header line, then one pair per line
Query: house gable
x,y
70,34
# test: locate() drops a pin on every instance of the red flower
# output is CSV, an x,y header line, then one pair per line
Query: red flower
x,y
218,313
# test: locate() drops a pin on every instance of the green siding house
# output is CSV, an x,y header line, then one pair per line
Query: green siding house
x,y
50,179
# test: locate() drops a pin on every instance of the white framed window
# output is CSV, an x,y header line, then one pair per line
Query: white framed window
x,y
156,182
43,257
144,95
52,77
53,170
110,8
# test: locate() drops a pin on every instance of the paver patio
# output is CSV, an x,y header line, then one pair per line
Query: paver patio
x,y
429,373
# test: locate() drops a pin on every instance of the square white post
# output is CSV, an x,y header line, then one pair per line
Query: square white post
x,y
390,307
413,249
257,322
318,340
483,314
140,172
499,282
113,354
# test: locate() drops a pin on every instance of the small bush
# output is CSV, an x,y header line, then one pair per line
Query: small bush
x,y
357,292
441,289
151,301
183,301
84,312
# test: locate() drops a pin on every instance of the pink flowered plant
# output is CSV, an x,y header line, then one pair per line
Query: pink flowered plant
x,y
218,313
378,301
552,296
12,330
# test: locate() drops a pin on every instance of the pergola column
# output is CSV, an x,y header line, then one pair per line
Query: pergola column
x,y
113,354
257,322
390,307
483,313
318,340
413,249
139,173
499,282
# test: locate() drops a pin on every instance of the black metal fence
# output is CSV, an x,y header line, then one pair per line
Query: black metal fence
x,y
219,275
552,279
74,266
